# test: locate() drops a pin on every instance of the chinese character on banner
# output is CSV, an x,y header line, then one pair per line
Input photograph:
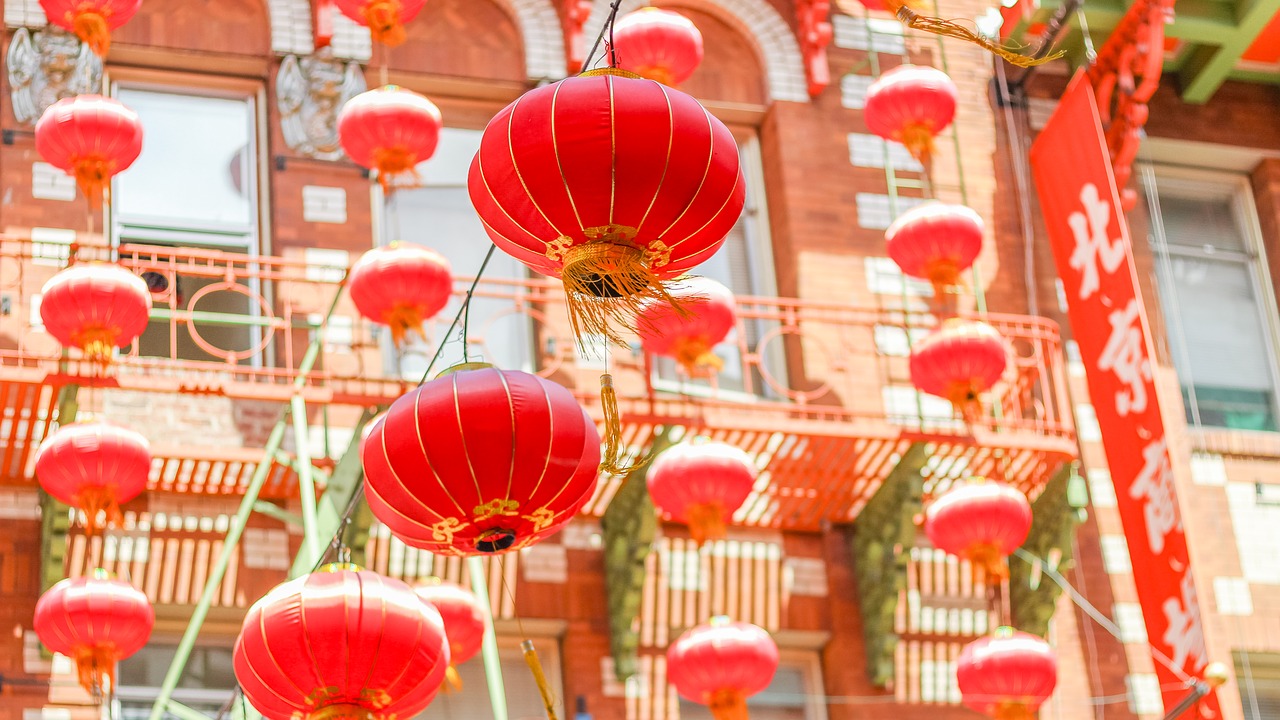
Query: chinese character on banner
x,y
1094,243
1126,355
1153,487
1080,203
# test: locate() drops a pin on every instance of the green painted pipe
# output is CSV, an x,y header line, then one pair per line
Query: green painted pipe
x,y
489,649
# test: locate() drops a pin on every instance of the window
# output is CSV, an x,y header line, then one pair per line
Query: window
x,y
744,264
440,216
1216,299
194,185
795,694
523,699
206,684
1258,677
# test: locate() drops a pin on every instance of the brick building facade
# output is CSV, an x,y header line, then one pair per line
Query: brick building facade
x,y
209,80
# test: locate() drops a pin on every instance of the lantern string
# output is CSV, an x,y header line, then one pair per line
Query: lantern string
x,y
606,28
462,311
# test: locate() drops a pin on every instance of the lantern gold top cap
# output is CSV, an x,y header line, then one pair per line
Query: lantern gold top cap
x,y
464,367
619,72
339,567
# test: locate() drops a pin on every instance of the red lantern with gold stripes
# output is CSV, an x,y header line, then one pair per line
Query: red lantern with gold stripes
x,y
95,307
980,521
91,20
463,617
390,130
721,663
384,18
96,621
401,286
94,467
1007,676
658,44
701,483
911,104
481,460
935,242
90,138
342,643
959,361
613,183
706,316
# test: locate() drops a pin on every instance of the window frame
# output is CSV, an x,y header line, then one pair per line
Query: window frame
x,y
1155,176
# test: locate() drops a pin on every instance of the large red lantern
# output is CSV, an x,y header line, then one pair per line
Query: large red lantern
x,y
384,18
481,460
96,308
94,467
707,314
91,20
658,44
390,130
911,104
610,182
701,483
959,361
935,242
341,644
401,286
721,663
1006,676
463,617
91,138
980,521
96,621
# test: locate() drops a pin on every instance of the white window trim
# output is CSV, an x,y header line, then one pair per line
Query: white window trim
x,y
1155,176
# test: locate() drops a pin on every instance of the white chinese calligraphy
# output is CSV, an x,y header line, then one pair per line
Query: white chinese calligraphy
x,y
1126,355
1154,487
1093,243
1185,634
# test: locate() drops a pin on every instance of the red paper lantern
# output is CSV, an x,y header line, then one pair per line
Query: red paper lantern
x,y
911,104
341,644
722,663
384,18
701,484
91,20
935,242
959,361
91,138
658,44
94,467
481,460
96,621
707,315
401,286
1006,676
980,521
390,130
610,182
463,617
96,308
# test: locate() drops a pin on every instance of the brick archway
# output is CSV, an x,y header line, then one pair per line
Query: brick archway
x,y
757,19
537,20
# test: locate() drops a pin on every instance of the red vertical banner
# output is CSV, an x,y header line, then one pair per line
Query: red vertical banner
x,y
1090,239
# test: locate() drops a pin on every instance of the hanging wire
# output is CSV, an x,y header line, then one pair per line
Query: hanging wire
x,y
606,28
1089,53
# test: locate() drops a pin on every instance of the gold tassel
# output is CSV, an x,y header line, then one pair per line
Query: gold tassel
x,y
93,175
97,343
402,318
948,28
987,562
96,669
92,28
93,500
612,460
696,357
1011,710
706,522
607,282
452,680
393,162
964,395
544,688
383,19
728,705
